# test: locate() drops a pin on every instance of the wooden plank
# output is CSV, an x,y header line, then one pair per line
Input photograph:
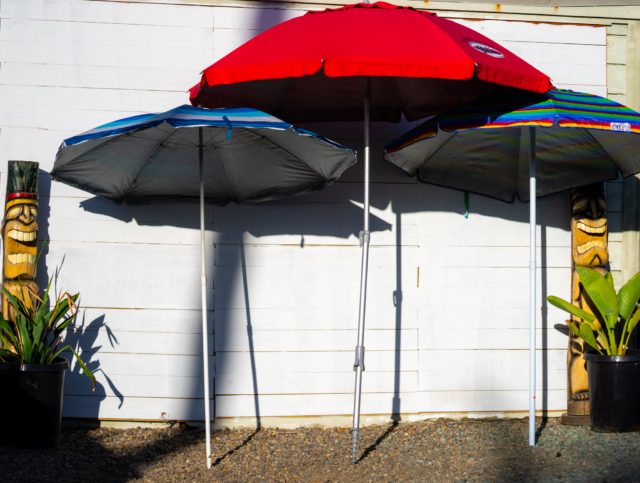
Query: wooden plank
x,y
108,12
477,378
481,298
617,29
310,257
156,365
105,340
142,320
460,256
463,338
614,226
260,18
619,98
99,77
503,318
616,49
333,361
614,197
195,58
125,386
617,78
500,30
237,340
97,33
302,288
315,404
314,383
317,318
545,52
302,235
133,408
113,276
491,360
491,401
233,406
615,255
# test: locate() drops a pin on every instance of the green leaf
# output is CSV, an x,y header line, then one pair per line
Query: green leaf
x,y
574,328
572,309
85,369
609,278
629,295
633,321
9,356
586,334
600,291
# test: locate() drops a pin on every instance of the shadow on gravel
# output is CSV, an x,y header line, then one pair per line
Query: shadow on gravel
x,y
378,441
113,456
241,445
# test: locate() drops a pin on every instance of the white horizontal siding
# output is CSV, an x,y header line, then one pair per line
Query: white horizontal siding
x,y
447,306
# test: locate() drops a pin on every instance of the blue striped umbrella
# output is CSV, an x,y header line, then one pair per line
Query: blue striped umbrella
x,y
249,156
190,154
523,144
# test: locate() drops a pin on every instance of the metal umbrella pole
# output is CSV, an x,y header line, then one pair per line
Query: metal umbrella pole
x,y
203,282
532,282
358,365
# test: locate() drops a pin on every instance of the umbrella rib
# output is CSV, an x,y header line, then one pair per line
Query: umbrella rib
x,y
395,84
601,146
284,94
224,171
296,157
436,151
124,197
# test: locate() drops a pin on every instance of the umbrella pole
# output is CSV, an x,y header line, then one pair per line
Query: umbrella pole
x,y
358,365
532,282
203,283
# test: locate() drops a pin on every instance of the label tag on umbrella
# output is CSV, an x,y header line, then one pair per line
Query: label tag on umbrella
x,y
621,126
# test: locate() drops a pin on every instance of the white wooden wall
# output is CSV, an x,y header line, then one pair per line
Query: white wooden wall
x,y
448,296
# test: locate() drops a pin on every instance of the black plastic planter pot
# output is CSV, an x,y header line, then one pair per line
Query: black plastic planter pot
x,y
31,403
614,391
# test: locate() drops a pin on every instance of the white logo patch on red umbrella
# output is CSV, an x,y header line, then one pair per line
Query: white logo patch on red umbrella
x,y
485,49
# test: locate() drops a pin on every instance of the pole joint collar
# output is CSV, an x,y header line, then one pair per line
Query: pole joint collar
x,y
203,279
365,236
359,357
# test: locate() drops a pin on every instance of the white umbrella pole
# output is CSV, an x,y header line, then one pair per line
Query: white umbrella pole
x,y
205,330
532,282
358,365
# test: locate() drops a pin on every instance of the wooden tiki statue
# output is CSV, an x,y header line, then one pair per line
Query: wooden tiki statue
x,y
20,231
588,249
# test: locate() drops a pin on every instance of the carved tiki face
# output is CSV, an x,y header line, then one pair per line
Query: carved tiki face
x,y
589,226
19,227
20,235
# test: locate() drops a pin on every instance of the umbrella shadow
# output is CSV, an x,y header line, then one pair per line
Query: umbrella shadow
x,y
185,216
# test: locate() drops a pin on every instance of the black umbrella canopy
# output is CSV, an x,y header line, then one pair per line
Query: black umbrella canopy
x,y
248,156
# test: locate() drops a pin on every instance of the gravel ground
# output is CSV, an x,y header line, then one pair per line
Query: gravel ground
x,y
471,450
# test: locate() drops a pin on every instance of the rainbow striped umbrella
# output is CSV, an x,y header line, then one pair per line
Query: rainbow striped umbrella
x,y
483,146
492,146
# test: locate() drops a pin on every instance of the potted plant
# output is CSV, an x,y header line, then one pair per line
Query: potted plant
x,y
613,369
31,369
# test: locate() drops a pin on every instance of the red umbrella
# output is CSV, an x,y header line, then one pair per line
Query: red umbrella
x,y
314,68
310,68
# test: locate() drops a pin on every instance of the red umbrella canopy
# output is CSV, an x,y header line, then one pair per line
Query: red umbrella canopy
x,y
310,68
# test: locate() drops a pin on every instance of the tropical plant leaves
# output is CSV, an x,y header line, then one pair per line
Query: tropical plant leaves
x,y
572,309
628,296
601,293
586,334
36,333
